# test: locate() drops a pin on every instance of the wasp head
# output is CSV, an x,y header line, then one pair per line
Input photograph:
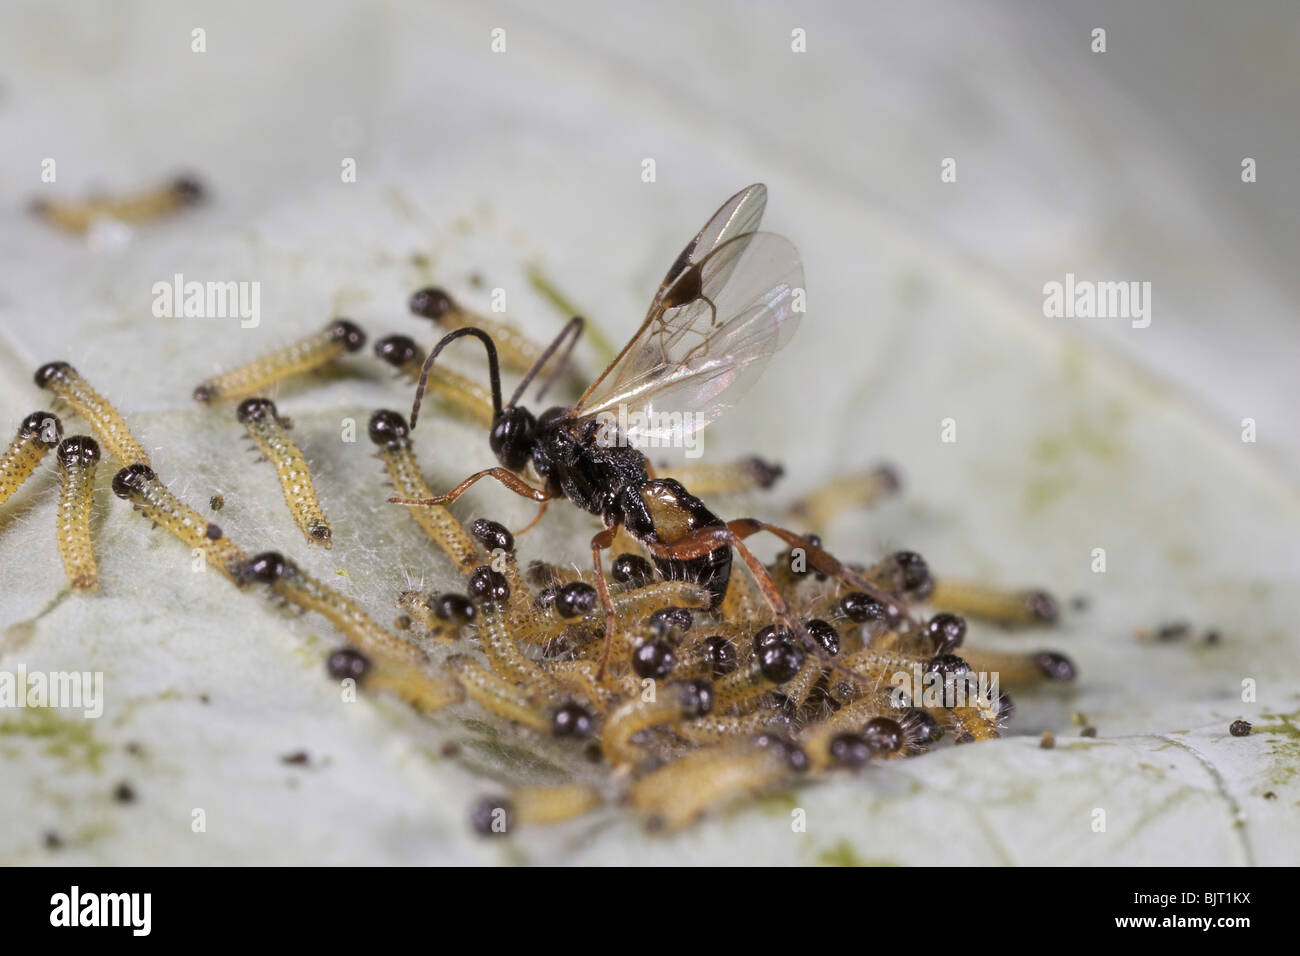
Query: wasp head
x,y
514,433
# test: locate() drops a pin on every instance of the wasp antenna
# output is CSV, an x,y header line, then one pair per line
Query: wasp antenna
x,y
575,326
494,369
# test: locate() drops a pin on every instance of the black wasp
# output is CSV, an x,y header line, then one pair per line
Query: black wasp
x,y
731,299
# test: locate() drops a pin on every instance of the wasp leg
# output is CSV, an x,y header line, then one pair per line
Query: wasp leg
x,y
541,510
702,541
821,561
599,543
503,475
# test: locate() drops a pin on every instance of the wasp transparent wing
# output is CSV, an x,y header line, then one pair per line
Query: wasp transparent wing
x,y
692,361
738,216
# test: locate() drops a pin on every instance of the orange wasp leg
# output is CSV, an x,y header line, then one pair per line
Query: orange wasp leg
x,y
601,542
541,511
503,475
820,560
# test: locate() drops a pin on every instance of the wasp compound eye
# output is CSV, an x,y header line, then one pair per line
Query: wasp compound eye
x,y
387,426
264,568
431,303
132,478
492,535
254,408
347,662
826,636
348,333
487,586
514,432
946,632
654,659
575,599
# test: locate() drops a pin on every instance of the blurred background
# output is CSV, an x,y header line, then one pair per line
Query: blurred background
x,y
925,303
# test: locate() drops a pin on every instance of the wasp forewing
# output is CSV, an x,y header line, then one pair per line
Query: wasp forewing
x,y
727,304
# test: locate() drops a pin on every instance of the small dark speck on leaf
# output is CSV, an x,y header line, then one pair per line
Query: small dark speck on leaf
x,y
1173,632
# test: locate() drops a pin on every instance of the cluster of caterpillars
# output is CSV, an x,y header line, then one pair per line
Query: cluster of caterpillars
x,y
697,706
